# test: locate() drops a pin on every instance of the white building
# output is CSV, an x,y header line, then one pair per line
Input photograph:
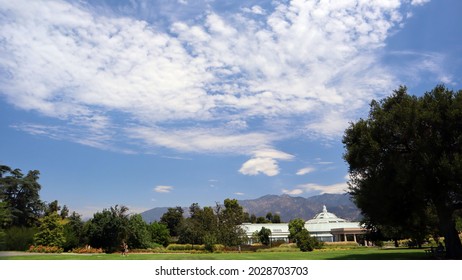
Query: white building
x,y
325,226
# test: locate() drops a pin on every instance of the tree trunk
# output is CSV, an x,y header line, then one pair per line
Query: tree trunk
x,y
451,236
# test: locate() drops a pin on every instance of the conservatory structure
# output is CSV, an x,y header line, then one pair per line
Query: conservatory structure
x,y
324,226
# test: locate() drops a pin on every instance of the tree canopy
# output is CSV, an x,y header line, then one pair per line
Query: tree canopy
x,y
107,229
210,226
173,219
21,194
405,163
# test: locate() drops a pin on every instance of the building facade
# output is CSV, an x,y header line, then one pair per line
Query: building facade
x,y
325,226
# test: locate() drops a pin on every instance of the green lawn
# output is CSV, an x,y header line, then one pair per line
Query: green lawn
x,y
350,254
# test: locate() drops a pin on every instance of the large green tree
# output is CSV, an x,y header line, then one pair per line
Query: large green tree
x,y
21,194
159,233
264,236
107,229
5,215
173,219
229,219
201,222
74,232
405,163
138,233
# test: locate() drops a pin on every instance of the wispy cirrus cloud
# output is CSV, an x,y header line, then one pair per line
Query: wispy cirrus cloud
x,y
209,84
305,170
310,187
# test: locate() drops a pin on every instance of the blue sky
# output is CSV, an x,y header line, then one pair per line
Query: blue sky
x,y
165,103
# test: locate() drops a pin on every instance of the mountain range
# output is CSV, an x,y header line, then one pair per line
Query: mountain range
x,y
288,207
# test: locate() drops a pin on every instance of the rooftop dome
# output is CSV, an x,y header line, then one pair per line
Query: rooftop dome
x,y
325,218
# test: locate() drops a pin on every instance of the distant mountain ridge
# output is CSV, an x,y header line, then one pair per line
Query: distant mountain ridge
x,y
288,207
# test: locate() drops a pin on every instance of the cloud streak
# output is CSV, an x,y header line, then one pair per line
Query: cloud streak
x,y
322,189
163,189
305,171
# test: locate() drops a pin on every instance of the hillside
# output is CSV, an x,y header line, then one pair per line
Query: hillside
x,y
288,207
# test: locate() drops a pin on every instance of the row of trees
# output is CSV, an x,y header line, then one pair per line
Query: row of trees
x,y
268,218
209,226
24,216
21,210
26,220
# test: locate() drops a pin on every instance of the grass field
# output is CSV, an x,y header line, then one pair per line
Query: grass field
x,y
345,254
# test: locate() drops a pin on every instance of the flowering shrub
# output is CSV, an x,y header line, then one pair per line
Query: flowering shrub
x,y
87,250
45,249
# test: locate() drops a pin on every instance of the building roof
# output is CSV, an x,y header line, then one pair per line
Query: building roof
x,y
326,221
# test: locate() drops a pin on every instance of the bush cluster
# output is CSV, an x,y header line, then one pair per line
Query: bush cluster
x,y
17,239
288,245
87,250
185,247
45,249
342,245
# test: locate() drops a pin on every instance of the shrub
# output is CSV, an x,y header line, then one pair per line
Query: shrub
x,y
306,242
87,250
218,248
2,240
51,231
154,245
18,239
45,249
209,242
288,245
341,245
277,243
160,249
185,247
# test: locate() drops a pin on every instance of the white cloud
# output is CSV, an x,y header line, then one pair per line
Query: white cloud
x,y
305,170
239,193
254,166
163,189
312,64
255,10
264,161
